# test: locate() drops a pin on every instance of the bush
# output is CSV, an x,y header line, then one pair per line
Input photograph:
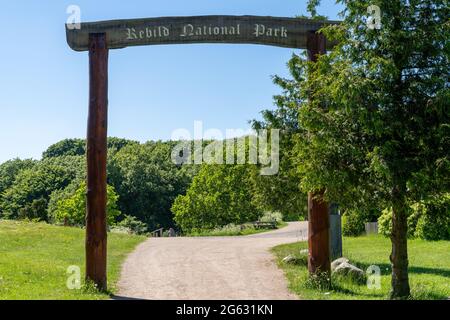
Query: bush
x,y
428,220
134,225
434,222
385,223
219,195
269,216
71,209
353,223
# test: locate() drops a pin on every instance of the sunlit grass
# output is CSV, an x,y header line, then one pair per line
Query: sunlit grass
x,y
34,258
429,269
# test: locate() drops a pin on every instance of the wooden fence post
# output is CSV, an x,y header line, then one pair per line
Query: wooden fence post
x,y
318,214
96,228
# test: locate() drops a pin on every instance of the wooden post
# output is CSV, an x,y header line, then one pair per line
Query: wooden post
x,y
96,228
318,215
318,234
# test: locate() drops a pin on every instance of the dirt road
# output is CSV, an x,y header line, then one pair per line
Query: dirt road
x,y
210,268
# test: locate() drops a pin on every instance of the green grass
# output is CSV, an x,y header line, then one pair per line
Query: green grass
x,y
34,258
429,269
231,231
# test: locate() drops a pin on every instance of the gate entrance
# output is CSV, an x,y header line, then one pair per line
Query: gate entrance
x,y
99,37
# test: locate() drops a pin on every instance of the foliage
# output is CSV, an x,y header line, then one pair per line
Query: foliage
x,y
148,182
281,192
270,216
428,219
67,147
354,220
219,195
9,171
60,195
434,220
36,211
39,181
71,210
353,223
77,147
312,7
374,115
133,225
117,144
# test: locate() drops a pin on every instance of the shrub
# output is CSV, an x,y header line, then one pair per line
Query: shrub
x,y
353,223
269,216
434,222
429,219
71,209
385,223
134,225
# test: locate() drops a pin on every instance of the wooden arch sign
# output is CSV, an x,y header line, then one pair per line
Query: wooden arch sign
x,y
99,37
273,31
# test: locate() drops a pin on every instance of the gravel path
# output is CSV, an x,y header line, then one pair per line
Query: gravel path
x,y
209,268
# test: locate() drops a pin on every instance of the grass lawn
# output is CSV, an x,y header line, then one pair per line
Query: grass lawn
x,y
429,269
34,258
234,231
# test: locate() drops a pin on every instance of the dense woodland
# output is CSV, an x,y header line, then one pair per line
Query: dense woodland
x,y
143,183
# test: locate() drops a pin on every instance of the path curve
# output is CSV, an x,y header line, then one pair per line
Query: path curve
x,y
209,268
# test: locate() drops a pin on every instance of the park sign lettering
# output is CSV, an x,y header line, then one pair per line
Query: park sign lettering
x,y
274,31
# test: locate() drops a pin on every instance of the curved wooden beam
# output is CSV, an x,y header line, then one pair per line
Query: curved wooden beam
x,y
272,31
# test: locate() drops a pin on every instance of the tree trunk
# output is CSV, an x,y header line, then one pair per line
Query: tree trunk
x,y
399,239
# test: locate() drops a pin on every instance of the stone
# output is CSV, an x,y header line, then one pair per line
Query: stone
x,y
291,259
304,252
338,262
345,269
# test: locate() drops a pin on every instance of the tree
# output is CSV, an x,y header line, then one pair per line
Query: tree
x,y
36,210
148,182
377,121
219,195
77,147
39,181
281,192
71,210
10,169
67,147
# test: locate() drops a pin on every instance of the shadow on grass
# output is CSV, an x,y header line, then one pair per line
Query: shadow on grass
x,y
386,269
340,289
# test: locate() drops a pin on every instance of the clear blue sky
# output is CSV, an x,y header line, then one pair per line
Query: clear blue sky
x,y
153,90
